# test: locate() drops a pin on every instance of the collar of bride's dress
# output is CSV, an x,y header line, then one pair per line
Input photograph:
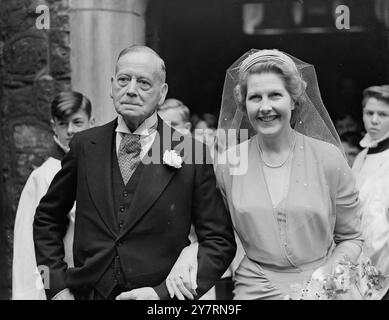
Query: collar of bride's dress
x,y
375,146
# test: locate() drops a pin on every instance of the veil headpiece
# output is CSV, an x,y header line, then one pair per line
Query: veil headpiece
x,y
310,117
264,56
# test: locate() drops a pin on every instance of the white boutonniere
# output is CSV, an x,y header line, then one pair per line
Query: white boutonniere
x,y
172,158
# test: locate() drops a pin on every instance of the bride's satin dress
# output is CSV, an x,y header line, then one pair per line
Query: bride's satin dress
x,y
285,243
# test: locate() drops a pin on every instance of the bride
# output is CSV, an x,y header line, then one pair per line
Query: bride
x,y
296,208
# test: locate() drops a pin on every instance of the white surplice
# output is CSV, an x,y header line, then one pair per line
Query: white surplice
x,y
26,281
372,175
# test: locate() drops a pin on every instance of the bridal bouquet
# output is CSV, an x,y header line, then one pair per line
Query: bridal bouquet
x,y
356,281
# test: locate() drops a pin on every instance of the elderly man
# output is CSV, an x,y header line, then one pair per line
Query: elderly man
x,y
132,218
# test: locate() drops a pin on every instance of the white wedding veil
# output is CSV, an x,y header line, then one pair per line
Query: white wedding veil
x,y
310,117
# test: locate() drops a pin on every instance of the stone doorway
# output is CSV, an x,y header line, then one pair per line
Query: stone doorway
x,y
200,39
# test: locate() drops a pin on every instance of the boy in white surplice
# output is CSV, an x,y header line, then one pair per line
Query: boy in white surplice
x,y
371,168
71,113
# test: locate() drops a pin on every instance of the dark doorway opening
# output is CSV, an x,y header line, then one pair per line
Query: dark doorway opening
x,y
199,40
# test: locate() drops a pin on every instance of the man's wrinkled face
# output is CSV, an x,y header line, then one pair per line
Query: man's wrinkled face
x,y
137,88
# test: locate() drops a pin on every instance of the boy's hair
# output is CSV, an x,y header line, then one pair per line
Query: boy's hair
x,y
67,103
177,105
379,92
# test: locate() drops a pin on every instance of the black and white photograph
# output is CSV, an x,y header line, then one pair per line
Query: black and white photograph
x,y
213,151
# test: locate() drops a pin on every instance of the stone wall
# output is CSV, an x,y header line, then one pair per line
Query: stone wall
x,y
34,66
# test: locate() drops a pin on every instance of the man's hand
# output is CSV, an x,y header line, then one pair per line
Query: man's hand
x,y
181,281
145,293
65,294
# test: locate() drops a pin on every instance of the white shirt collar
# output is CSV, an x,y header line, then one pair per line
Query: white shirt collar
x,y
142,130
368,142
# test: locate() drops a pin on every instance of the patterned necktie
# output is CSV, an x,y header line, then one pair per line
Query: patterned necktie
x,y
128,155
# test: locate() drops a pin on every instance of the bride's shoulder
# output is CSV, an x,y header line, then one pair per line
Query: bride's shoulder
x,y
322,147
326,153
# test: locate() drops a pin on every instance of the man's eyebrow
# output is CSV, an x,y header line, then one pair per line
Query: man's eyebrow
x,y
137,76
122,74
144,77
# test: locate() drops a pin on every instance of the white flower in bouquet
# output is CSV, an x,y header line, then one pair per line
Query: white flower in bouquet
x,y
359,281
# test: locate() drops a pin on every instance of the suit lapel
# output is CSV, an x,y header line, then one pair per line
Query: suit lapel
x,y
154,179
99,173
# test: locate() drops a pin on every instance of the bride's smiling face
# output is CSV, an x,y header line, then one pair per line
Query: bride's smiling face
x,y
268,103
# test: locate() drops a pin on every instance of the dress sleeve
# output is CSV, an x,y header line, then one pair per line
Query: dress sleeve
x,y
213,227
348,220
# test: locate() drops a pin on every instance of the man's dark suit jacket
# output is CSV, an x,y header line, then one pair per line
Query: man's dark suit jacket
x,y
167,200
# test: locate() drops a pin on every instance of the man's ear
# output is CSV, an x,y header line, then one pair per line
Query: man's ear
x,y
52,124
110,89
92,121
188,126
164,89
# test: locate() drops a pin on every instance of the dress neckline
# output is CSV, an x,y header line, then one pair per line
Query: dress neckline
x,y
289,165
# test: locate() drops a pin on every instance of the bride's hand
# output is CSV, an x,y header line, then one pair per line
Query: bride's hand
x,y
322,272
181,281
